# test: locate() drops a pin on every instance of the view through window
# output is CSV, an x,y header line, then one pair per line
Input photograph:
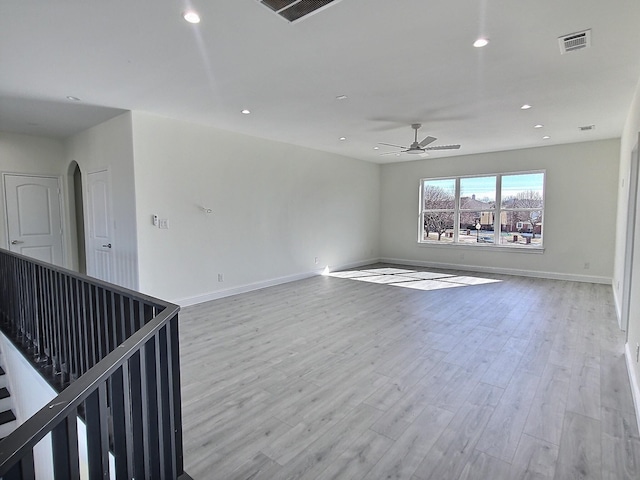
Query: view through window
x,y
499,209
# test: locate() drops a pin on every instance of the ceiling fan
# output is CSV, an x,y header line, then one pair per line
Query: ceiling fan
x,y
419,147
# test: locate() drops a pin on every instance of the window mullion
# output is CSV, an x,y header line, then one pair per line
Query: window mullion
x,y
421,213
497,212
456,213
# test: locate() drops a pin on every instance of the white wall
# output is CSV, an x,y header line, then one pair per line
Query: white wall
x,y
275,207
628,141
27,154
109,145
581,190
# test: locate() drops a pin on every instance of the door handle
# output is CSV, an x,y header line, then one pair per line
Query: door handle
x,y
108,245
16,242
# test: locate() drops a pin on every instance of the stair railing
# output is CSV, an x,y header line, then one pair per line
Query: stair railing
x,y
114,355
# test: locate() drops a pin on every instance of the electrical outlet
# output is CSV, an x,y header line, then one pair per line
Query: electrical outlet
x,y
221,277
316,260
163,223
587,265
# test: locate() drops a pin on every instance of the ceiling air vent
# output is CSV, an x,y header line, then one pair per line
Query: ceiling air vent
x,y
575,41
293,10
276,5
586,128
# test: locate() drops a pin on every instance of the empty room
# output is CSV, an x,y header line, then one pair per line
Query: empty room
x,y
335,239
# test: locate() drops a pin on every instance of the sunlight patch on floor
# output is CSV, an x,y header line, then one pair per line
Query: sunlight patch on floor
x,y
417,280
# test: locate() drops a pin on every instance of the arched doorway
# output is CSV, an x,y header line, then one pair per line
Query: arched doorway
x,y
77,213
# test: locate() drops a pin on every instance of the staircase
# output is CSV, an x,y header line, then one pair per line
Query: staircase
x,y
8,421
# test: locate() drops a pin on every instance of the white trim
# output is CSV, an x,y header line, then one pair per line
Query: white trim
x,y
503,271
616,303
629,244
635,388
216,295
484,246
249,287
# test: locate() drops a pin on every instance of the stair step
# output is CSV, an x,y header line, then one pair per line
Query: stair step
x,y
8,423
6,402
6,417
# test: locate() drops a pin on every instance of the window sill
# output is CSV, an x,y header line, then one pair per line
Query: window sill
x,y
484,246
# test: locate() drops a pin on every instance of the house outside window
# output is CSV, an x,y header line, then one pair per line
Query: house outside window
x,y
501,209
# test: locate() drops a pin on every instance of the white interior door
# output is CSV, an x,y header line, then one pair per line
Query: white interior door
x,y
34,217
100,222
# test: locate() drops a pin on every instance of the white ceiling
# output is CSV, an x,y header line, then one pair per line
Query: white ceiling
x,y
399,62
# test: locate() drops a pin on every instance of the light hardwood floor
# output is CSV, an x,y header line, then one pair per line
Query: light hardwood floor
x,y
345,378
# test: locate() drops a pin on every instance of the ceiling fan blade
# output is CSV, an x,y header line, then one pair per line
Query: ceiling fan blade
x,y
444,147
390,153
427,141
392,145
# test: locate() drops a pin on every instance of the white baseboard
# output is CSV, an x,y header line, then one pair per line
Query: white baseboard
x,y
503,271
618,305
249,287
633,380
215,295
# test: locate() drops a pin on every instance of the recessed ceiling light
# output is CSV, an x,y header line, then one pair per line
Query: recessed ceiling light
x,y
246,112
72,98
546,137
191,16
397,154
341,97
342,139
376,148
526,106
481,42
538,126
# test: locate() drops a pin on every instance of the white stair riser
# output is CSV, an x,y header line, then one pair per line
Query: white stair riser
x,y
6,404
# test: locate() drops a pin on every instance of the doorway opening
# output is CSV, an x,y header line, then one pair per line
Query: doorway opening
x,y
631,224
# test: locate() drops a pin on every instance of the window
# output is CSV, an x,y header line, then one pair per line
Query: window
x,y
503,209
439,203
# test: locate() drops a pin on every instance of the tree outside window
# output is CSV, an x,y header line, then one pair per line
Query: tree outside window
x,y
438,210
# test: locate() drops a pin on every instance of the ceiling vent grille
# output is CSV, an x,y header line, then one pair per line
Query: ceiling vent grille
x,y
575,41
293,10
586,128
276,5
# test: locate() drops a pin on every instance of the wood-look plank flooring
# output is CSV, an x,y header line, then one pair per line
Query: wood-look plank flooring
x,y
343,378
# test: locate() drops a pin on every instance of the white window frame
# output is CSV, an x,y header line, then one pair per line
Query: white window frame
x,y
497,211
